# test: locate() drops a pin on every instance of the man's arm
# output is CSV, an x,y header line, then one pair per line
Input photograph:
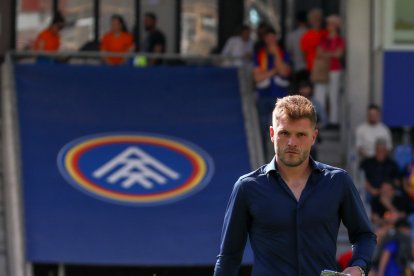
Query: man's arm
x,y
355,219
370,189
234,234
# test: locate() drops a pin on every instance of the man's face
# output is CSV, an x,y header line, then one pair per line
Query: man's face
x,y
116,25
245,35
149,23
315,20
292,140
373,116
270,39
387,190
305,91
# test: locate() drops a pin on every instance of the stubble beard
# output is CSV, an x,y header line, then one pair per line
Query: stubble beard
x,y
295,160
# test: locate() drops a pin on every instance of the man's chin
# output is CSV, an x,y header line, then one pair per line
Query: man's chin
x,y
291,162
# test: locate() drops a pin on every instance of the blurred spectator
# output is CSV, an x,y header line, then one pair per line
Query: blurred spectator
x,y
49,39
408,183
368,133
344,259
300,73
270,73
379,168
117,40
260,37
240,48
388,204
154,41
331,49
312,37
395,252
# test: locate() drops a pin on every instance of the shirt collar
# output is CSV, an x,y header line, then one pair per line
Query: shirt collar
x,y
272,166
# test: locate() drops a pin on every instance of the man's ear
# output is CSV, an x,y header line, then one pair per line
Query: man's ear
x,y
314,135
272,133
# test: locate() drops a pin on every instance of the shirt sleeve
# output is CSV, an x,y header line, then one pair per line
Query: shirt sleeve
x,y
234,234
355,219
304,43
391,247
389,139
130,40
358,137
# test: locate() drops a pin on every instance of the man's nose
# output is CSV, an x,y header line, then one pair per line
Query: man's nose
x,y
291,141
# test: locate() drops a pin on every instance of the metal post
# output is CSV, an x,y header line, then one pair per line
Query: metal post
x,y
13,198
137,25
55,6
61,270
178,8
96,19
13,24
251,119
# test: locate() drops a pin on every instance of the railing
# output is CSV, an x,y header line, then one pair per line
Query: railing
x,y
68,56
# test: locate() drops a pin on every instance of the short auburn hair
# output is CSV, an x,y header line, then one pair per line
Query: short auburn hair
x,y
294,108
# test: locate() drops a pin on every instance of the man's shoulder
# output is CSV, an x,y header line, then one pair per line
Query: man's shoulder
x,y
253,176
362,127
329,170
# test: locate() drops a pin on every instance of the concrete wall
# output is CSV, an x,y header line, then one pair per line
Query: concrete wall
x,y
357,83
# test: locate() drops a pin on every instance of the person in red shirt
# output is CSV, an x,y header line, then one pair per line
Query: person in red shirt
x,y
331,47
49,39
312,37
117,40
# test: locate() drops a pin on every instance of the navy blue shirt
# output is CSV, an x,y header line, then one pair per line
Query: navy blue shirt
x,y
291,237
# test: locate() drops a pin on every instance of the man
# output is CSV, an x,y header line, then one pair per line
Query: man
x,y
292,207
371,131
395,254
240,48
155,41
379,168
293,47
388,205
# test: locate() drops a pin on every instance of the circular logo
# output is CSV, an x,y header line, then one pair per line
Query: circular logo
x,y
135,169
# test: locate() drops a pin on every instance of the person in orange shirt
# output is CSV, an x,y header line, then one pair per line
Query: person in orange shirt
x,y
49,39
312,38
118,40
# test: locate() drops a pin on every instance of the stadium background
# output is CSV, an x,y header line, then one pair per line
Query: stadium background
x,y
49,228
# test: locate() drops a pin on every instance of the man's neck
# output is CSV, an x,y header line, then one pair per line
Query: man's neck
x,y
294,173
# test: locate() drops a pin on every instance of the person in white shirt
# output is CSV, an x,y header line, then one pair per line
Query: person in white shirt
x,y
240,48
371,131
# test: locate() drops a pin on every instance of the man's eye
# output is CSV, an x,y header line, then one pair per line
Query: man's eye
x,y
284,133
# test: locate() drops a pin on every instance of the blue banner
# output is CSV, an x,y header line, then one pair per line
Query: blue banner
x,y
128,166
398,96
